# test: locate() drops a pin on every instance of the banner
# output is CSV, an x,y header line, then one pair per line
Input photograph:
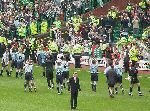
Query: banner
x,y
144,65
85,60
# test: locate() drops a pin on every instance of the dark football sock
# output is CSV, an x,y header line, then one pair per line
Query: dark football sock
x,y
7,72
68,86
64,85
130,89
109,91
16,74
94,87
52,83
25,85
139,89
44,74
30,89
113,91
32,84
1,72
116,89
121,87
61,87
21,73
10,72
58,89
48,82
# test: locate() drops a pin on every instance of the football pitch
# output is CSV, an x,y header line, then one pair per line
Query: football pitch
x,y
13,97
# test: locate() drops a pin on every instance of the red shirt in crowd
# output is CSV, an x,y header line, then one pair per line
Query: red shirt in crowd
x,y
93,48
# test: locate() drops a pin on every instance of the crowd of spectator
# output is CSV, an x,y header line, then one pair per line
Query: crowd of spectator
x,y
15,13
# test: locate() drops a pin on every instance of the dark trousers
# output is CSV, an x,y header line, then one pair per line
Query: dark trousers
x,y
33,56
26,57
54,55
77,60
126,67
48,82
73,101
134,62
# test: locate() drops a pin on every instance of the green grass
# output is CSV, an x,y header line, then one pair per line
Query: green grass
x,y
13,97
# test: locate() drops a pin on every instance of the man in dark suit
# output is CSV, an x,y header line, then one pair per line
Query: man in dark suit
x,y
75,86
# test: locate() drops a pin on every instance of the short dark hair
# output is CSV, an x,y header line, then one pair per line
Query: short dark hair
x,y
117,62
93,61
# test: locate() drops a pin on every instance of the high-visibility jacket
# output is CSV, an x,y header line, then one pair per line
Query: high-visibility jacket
x,y
96,22
76,26
57,24
1,25
123,40
130,38
1,39
74,19
142,4
92,18
77,49
109,13
44,26
145,33
129,8
133,54
114,14
66,48
33,27
32,43
53,47
22,30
